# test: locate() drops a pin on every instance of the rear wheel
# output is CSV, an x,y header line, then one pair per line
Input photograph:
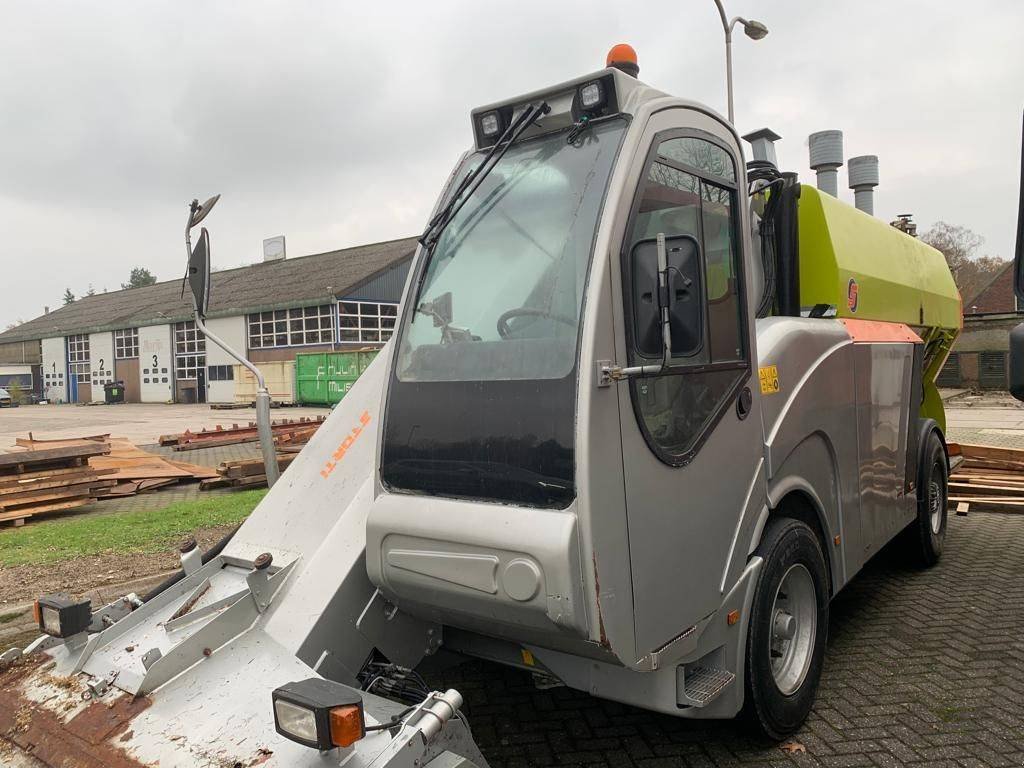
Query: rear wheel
x,y
788,627
925,536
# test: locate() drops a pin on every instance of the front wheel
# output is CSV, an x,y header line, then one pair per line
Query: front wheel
x,y
787,631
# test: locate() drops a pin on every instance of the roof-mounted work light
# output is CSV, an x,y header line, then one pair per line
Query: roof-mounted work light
x,y
319,713
592,95
62,616
490,124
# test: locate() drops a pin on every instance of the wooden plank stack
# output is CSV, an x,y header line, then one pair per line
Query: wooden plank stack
x,y
130,469
51,479
218,436
988,479
244,473
250,473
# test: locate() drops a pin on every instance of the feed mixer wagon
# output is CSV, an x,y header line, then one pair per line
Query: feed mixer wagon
x,y
647,409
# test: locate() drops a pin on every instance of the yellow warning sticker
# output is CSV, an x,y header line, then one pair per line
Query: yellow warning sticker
x,y
769,375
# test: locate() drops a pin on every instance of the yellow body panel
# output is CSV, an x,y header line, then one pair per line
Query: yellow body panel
x,y
870,270
896,278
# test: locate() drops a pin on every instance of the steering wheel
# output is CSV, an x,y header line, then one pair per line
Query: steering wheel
x,y
504,330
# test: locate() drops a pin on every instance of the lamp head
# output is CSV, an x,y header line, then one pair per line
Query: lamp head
x,y
755,30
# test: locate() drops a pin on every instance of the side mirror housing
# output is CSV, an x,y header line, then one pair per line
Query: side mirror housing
x,y
680,293
199,273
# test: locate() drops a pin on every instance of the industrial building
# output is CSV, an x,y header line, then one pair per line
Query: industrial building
x,y
145,337
980,357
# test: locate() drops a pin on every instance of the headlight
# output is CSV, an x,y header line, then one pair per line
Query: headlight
x,y
61,616
319,713
296,722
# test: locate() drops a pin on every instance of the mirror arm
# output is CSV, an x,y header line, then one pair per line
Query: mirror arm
x,y
608,372
263,428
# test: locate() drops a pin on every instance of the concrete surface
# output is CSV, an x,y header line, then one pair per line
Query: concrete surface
x,y
142,423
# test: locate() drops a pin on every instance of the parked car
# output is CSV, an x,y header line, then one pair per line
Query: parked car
x,y
5,398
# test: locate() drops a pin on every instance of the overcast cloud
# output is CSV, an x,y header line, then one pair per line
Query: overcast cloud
x,y
335,124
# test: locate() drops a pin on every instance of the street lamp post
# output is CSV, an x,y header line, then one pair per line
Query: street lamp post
x,y
755,30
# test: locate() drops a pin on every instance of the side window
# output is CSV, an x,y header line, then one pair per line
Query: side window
x,y
689,189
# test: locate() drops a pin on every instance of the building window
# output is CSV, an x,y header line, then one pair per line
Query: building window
x,y
291,327
126,343
221,373
189,350
366,322
78,357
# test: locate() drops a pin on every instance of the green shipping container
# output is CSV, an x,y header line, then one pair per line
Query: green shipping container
x,y
323,378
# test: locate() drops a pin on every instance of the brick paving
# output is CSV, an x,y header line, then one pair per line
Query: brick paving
x,y
924,667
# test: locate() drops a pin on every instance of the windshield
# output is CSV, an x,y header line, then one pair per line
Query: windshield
x,y
501,295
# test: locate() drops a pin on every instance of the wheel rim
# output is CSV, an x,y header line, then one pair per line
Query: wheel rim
x,y
935,499
794,618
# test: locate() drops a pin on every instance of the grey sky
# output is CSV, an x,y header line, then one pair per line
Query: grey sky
x,y
336,125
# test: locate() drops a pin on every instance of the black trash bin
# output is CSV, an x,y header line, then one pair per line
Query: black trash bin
x,y
114,392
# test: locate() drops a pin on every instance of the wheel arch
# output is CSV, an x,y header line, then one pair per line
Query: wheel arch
x,y
797,500
925,427
807,486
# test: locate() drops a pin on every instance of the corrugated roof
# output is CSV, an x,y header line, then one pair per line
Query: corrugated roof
x,y
268,285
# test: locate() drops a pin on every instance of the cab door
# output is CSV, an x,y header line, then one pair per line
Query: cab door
x,y
692,441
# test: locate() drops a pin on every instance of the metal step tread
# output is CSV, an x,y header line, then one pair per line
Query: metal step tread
x,y
702,685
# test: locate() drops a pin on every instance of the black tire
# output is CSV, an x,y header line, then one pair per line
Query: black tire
x,y
923,538
769,711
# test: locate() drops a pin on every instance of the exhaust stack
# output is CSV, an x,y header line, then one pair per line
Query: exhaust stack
x,y
863,173
826,151
762,142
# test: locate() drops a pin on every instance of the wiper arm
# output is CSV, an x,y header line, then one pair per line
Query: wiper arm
x,y
475,177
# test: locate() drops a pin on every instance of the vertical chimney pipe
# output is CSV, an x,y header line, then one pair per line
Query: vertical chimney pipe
x,y
826,156
863,173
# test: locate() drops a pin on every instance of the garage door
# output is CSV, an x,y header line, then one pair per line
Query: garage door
x,y
992,370
127,372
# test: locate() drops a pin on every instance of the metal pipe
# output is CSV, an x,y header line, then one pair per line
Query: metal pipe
x,y
727,28
263,429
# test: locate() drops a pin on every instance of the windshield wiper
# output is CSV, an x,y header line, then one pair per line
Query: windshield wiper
x,y
475,177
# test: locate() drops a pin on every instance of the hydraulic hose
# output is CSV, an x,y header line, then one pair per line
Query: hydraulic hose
x,y
208,555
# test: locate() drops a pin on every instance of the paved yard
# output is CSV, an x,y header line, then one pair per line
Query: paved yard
x,y
142,423
924,668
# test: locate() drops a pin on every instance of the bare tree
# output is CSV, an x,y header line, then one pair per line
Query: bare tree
x,y
960,245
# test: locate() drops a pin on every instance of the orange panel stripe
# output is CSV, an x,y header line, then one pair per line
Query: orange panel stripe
x,y
868,331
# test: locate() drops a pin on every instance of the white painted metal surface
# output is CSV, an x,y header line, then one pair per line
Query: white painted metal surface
x,y
55,370
101,363
156,364
232,331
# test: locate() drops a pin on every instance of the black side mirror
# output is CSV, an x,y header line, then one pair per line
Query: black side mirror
x,y
199,273
680,292
1017,334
